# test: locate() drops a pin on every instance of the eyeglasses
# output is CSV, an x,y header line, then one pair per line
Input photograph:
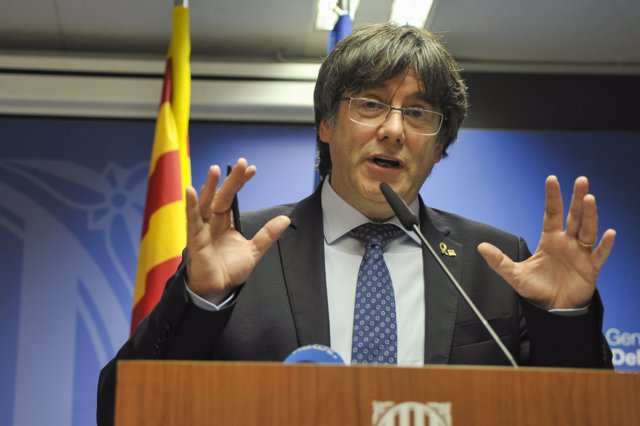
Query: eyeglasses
x,y
370,112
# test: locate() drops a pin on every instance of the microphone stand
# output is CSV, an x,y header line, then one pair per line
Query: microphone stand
x,y
410,222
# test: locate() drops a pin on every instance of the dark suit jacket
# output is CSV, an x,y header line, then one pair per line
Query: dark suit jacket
x,y
283,305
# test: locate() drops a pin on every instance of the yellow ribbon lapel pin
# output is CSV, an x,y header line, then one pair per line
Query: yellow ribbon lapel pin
x,y
447,252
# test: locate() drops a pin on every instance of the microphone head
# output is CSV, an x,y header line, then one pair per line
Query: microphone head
x,y
399,207
314,354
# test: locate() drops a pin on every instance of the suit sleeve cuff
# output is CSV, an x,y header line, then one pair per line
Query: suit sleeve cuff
x,y
570,312
203,303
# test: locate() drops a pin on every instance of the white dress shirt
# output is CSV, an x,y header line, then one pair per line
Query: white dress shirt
x,y
343,255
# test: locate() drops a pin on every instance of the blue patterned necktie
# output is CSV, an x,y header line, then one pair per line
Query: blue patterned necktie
x,y
375,338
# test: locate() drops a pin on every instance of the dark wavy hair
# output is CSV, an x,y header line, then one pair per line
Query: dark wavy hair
x,y
377,53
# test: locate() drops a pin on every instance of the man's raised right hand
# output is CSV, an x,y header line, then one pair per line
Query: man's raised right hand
x,y
220,258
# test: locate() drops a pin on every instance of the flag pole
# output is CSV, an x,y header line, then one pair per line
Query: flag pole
x,y
345,6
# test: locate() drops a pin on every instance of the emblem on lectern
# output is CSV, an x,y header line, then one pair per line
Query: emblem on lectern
x,y
389,413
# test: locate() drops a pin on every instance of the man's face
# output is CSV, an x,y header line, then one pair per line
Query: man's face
x,y
364,156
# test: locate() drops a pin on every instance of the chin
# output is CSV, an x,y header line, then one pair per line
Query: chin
x,y
371,191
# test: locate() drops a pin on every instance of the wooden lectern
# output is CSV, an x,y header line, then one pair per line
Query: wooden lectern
x,y
234,393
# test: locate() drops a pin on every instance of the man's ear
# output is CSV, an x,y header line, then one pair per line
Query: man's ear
x,y
325,132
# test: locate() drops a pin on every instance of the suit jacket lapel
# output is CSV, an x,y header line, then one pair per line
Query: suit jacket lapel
x,y
441,297
302,253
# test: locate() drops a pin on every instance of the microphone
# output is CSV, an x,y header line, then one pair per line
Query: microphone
x,y
410,222
314,354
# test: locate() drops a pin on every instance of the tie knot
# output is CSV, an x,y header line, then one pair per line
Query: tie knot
x,y
376,234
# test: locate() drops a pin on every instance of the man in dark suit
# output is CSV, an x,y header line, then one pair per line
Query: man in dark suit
x,y
388,102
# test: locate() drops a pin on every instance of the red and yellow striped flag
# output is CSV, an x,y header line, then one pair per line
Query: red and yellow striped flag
x,y
164,231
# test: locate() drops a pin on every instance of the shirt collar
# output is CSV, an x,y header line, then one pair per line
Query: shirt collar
x,y
339,217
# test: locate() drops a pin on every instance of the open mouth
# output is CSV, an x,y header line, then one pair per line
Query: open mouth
x,y
386,162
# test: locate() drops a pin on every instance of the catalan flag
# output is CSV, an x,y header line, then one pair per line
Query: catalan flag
x,y
164,232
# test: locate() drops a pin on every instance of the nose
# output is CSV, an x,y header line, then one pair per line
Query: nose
x,y
393,127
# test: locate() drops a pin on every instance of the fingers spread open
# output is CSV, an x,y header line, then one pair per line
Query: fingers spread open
x,y
588,232
574,217
240,174
603,250
498,261
208,192
191,198
553,210
194,219
269,233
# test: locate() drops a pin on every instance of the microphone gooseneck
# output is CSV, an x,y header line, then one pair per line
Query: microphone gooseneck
x,y
410,221
399,207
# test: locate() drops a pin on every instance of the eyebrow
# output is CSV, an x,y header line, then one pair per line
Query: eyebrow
x,y
422,96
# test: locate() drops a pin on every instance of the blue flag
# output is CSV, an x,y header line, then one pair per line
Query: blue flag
x,y
342,29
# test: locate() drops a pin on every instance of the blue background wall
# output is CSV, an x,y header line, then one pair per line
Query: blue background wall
x,y
70,217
